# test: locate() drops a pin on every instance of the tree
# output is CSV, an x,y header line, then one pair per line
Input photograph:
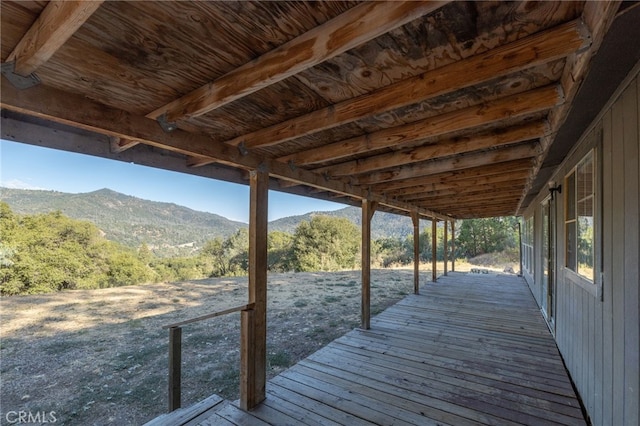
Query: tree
x,y
280,256
326,244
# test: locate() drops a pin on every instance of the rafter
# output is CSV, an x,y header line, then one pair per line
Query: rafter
x,y
453,163
56,24
526,53
471,182
519,165
446,148
346,31
77,111
468,190
520,105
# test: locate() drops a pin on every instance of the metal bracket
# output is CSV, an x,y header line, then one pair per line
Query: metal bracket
x,y
167,126
243,149
18,81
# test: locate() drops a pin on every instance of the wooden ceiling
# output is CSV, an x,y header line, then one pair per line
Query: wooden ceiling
x,y
447,108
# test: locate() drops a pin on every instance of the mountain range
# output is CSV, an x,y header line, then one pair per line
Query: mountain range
x,y
167,228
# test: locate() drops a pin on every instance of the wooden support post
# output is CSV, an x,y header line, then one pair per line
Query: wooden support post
x,y
446,246
453,246
247,357
254,340
434,249
368,209
175,367
415,218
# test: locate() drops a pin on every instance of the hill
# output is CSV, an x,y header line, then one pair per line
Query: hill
x,y
383,224
168,229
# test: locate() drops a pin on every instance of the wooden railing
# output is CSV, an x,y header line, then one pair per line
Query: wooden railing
x,y
175,348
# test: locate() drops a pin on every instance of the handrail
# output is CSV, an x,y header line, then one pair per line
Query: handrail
x,y
175,349
211,315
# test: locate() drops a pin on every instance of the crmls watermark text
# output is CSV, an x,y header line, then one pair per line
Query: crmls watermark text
x,y
26,417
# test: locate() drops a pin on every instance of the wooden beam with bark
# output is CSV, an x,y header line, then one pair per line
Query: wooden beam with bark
x,y
519,105
485,181
446,148
537,49
56,24
527,150
344,32
515,166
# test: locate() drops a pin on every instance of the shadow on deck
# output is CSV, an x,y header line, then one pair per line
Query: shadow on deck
x,y
470,349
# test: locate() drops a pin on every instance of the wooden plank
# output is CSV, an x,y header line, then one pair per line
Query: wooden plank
x,y
384,370
175,368
56,24
459,145
528,52
457,395
184,415
346,31
519,105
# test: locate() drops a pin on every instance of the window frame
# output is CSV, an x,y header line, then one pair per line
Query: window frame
x,y
571,219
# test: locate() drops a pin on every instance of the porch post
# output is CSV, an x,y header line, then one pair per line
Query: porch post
x,y
254,334
446,246
434,249
368,209
415,218
453,246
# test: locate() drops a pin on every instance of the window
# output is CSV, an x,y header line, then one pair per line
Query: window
x,y
579,218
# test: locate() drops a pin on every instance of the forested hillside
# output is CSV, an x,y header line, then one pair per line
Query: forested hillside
x,y
167,229
383,225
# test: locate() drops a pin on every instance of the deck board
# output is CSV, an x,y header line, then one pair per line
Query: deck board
x,y
470,349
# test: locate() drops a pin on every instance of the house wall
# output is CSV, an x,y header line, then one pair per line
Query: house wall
x,y
597,325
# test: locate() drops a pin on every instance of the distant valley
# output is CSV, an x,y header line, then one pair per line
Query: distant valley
x,y
167,228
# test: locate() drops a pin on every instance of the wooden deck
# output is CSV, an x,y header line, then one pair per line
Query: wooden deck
x,y
470,349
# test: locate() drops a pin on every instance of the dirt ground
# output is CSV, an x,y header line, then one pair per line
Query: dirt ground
x,y
99,357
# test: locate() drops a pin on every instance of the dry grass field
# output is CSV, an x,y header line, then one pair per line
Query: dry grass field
x,y
99,357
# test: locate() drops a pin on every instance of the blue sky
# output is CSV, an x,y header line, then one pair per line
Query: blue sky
x,y
30,167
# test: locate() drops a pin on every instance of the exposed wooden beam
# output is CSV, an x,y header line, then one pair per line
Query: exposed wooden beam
x,y
453,246
77,111
522,104
446,247
526,53
471,189
485,181
119,145
447,148
471,197
346,31
528,150
470,202
519,165
56,24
